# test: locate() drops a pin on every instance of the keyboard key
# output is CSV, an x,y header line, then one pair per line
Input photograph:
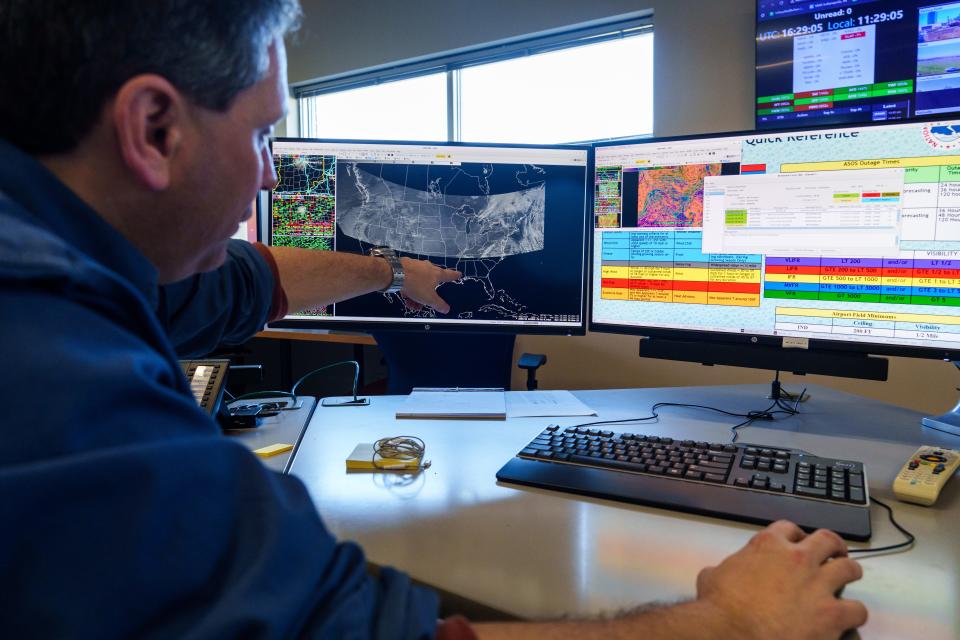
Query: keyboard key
x,y
693,475
810,491
741,482
857,495
714,477
655,469
776,486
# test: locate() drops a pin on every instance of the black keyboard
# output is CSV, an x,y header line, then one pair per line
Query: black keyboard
x,y
745,482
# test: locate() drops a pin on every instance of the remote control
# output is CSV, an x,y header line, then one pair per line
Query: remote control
x,y
924,474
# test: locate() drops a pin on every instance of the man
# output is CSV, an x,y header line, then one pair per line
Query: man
x,y
134,136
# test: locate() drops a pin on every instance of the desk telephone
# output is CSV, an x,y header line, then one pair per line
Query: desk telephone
x,y
207,380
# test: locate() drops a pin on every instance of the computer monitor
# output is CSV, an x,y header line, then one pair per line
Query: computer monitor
x,y
800,251
822,62
513,218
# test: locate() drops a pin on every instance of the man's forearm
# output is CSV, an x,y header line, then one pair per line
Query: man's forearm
x,y
676,622
317,278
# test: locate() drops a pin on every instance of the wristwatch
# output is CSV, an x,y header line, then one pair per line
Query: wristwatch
x,y
391,257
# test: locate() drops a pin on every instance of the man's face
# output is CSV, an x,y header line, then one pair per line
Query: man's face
x,y
227,161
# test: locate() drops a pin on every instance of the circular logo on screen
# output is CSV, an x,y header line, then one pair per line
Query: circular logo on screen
x,y
942,135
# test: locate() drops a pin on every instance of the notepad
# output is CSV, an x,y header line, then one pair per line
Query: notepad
x,y
362,460
454,403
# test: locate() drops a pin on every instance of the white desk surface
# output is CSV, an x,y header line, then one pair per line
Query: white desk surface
x,y
538,554
283,428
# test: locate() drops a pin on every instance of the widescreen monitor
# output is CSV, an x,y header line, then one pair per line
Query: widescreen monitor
x,y
822,62
821,240
514,219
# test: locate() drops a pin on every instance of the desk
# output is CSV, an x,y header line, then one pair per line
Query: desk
x,y
540,554
284,427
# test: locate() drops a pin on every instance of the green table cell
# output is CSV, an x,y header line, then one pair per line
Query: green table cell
x,y
767,112
884,93
776,98
814,100
950,173
791,295
852,96
849,297
892,299
859,88
896,84
937,301
914,175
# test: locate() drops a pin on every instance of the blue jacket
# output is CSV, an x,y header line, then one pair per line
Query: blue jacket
x,y
123,510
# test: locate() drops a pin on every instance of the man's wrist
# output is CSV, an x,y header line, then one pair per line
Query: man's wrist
x,y
395,268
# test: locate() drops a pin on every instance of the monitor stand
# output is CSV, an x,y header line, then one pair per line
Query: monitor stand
x,y
949,421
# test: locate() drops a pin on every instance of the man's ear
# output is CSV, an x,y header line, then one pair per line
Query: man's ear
x,y
148,117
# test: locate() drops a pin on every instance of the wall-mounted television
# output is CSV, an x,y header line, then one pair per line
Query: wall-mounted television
x,y
823,62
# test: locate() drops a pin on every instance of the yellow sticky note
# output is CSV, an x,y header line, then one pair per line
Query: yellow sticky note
x,y
273,449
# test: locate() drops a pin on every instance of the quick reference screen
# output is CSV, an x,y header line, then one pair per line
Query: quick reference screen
x,y
844,234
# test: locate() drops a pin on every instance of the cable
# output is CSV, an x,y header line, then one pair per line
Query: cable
x,y
402,448
356,375
770,413
292,394
903,545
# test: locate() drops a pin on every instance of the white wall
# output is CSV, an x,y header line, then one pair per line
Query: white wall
x,y
704,82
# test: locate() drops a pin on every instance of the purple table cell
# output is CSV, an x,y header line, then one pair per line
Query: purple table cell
x,y
851,262
936,264
898,263
793,262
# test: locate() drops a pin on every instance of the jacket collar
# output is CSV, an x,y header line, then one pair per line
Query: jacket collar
x,y
51,204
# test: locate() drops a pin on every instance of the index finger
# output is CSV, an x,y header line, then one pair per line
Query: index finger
x,y
824,544
448,275
788,530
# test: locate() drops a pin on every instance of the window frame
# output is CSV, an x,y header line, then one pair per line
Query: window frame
x,y
451,63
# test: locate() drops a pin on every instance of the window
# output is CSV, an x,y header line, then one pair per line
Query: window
x,y
591,92
589,83
412,109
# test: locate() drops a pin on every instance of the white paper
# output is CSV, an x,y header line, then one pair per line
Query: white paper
x,y
544,404
450,403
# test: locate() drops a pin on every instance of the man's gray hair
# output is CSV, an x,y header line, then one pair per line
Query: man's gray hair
x,y
62,60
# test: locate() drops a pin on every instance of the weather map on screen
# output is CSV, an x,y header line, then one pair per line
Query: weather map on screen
x,y
511,219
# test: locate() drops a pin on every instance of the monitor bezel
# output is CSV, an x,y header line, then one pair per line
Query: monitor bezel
x,y
367,326
748,339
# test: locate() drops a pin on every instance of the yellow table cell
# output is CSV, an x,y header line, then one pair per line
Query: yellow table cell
x,y
690,297
650,273
898,281
850,279
938,282
613,272
735,299
613,294
735,275
650,295
690,274
792,277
